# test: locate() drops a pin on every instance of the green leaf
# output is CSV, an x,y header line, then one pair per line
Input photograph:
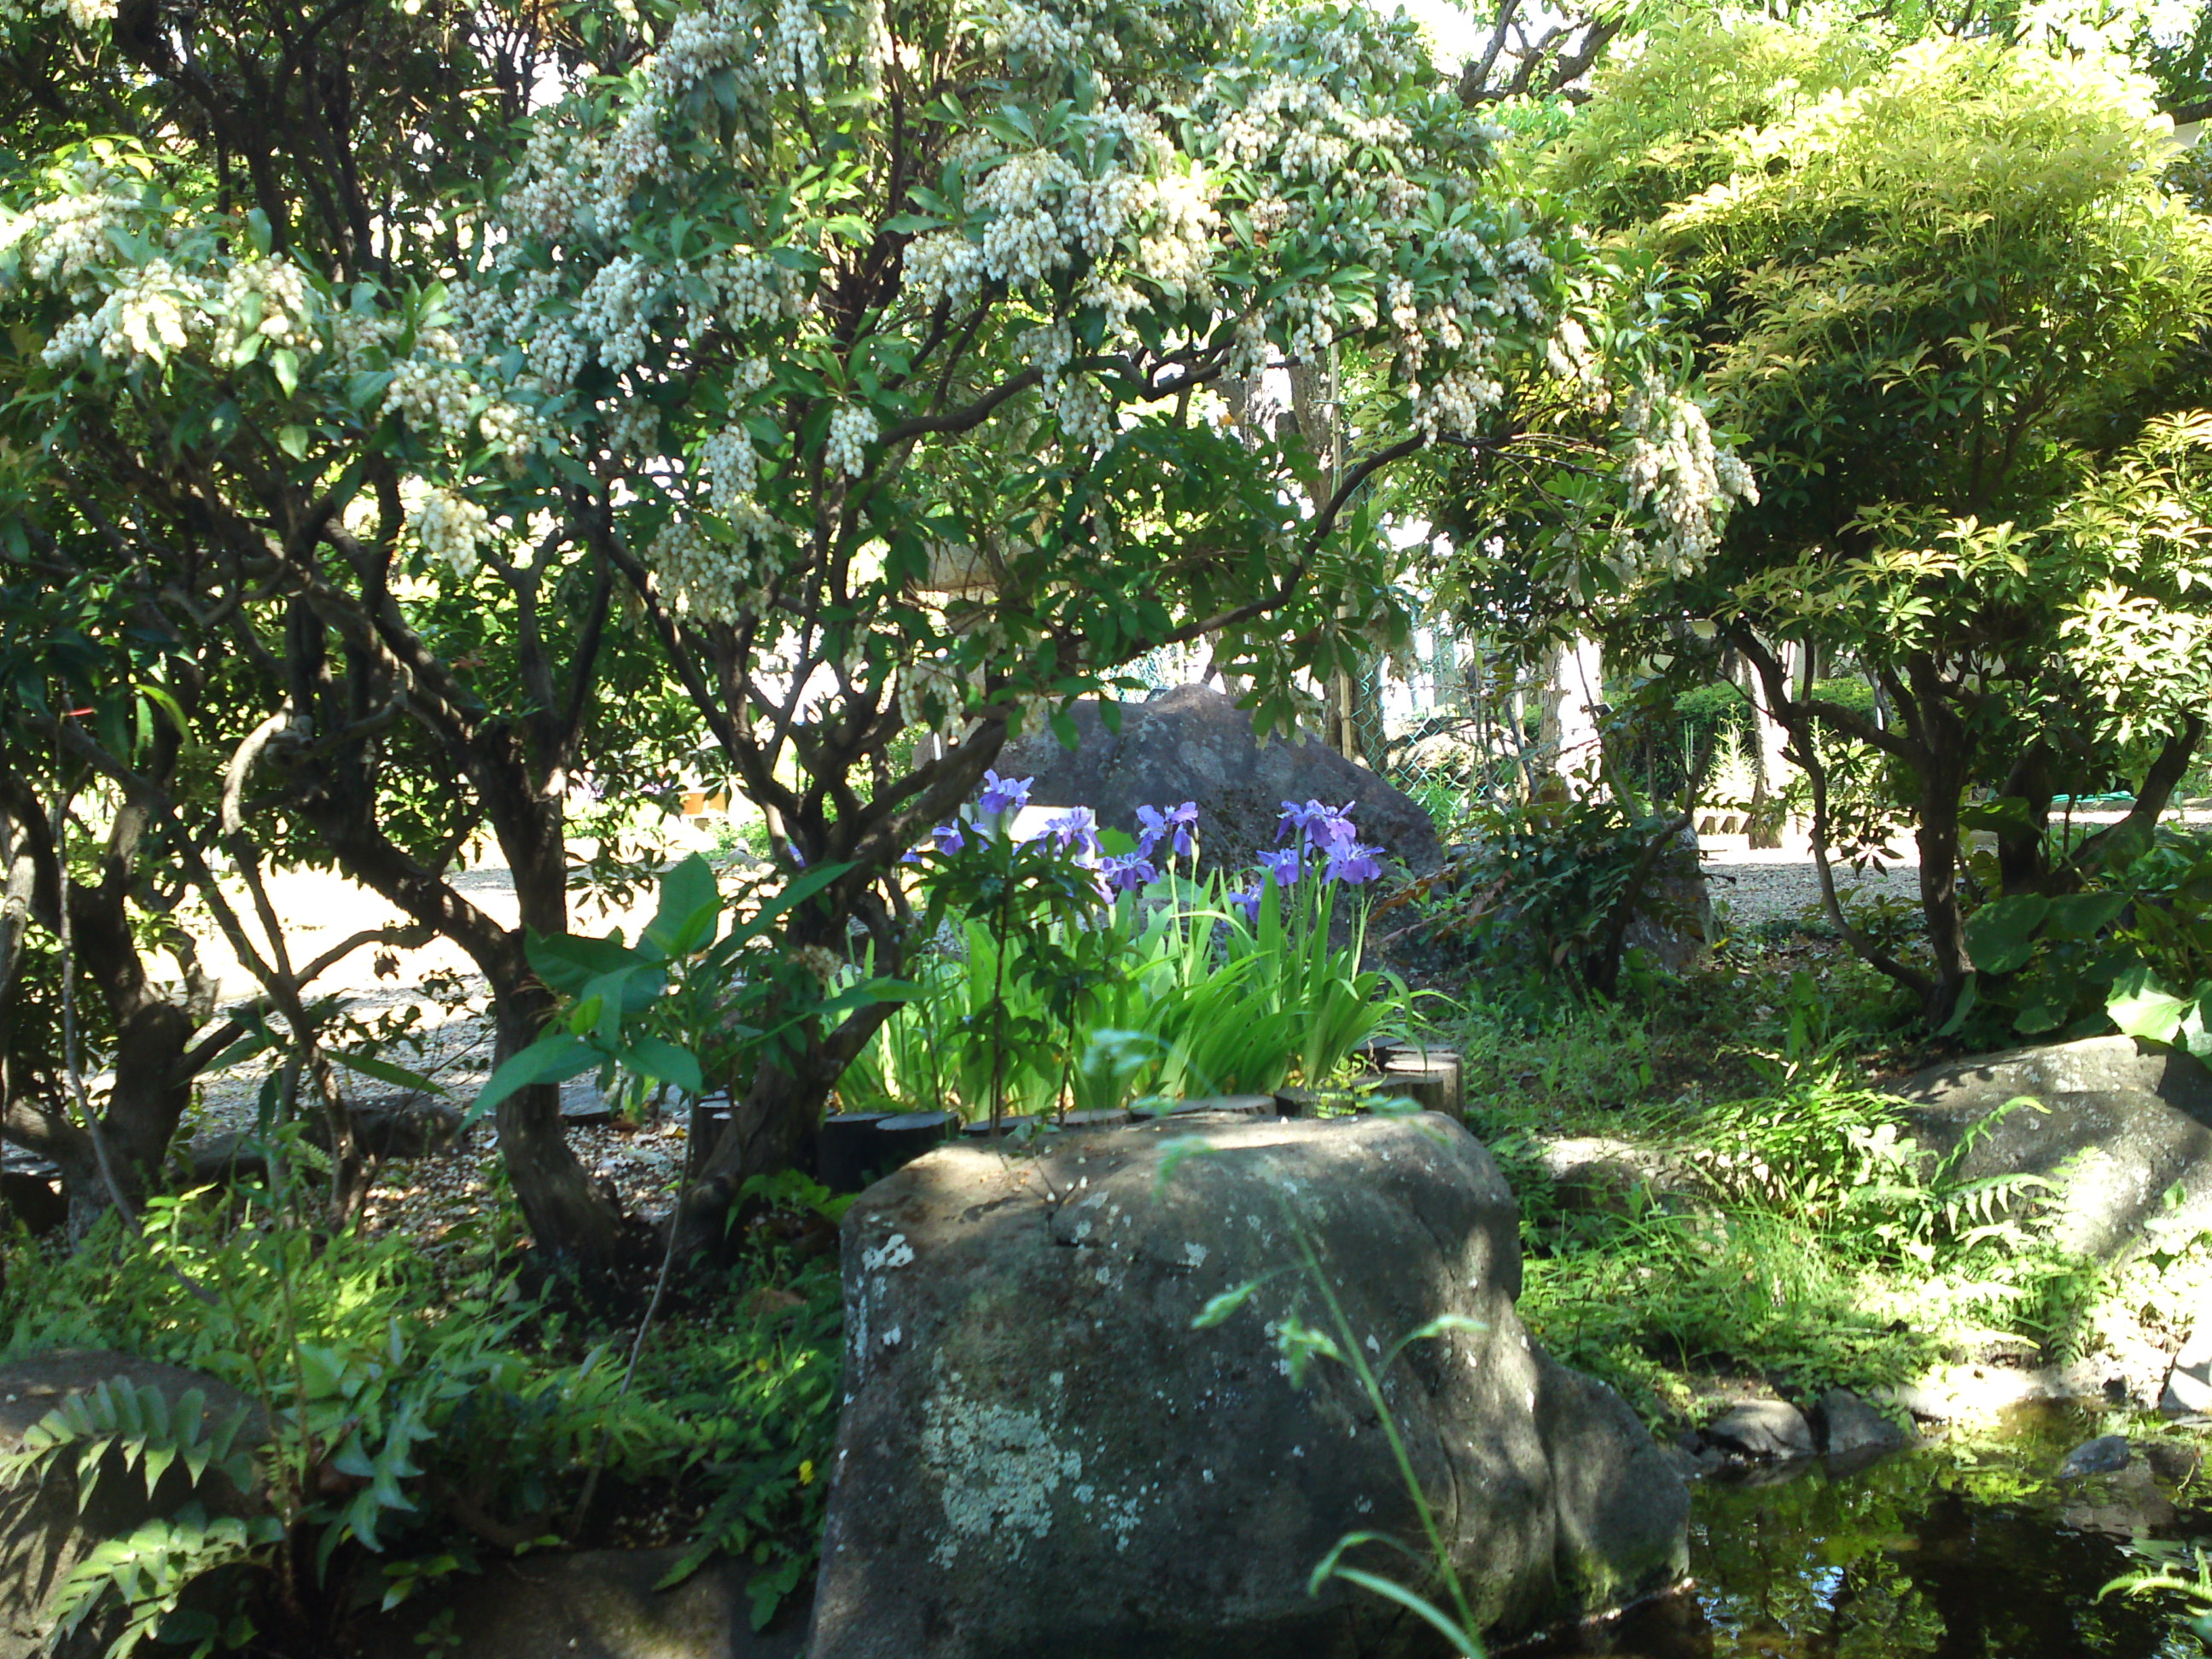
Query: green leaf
x,y
293,440
385,1072
690,902
284,363
2141,1007
1969,993
554,1058
2001,936
570,961
2084,915
664,1063
1217,1308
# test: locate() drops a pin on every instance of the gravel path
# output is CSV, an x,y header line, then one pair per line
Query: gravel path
x,y
1753,889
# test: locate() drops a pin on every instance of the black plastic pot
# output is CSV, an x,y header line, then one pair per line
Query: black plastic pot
x,y
845,1150
900,1140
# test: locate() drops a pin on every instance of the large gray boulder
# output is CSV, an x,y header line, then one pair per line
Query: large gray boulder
x,y
43,1534
1194,744
1039,1454
2117,1124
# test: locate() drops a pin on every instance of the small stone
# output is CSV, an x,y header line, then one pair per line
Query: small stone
x,y
2107,1454
1849,1427
1764,1429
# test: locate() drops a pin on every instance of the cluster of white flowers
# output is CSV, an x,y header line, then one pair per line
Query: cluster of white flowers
x,y
432,397
794,52
1298,128
66,236
271,298
732,466
515,431
1675,469
1455,401
617,309
713,580
150,311
930,689
82,13
1567,353
451,528
852,429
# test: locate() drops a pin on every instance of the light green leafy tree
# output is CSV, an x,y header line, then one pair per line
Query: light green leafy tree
x,y
1945,300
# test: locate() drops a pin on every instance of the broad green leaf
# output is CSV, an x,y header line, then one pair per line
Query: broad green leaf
x,y
554,1058
664,1063
690,902
568,962
2001,935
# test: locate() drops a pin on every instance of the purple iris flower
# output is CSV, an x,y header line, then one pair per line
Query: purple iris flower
x,y
1317,822
1284,864
1075,829
1003,794
1129,872
1174,824
951,837
1248,902
1352,864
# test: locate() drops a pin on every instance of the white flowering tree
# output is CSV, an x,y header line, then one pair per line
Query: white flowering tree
x,y
863,362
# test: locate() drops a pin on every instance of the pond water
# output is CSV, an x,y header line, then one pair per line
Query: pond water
x,y
1970,1548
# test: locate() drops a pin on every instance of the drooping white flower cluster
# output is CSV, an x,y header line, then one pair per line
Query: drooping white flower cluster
x,y
712,578
1674,469
149,311
453,529
66,235
732,466
271,298
852,429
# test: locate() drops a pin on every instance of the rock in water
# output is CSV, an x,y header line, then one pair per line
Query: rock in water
x,y
1039,1454
2117,1124
1850,1428
2107,1454
1763,1429
1196,745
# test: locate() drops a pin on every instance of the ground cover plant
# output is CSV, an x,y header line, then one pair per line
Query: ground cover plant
x,y
427,1418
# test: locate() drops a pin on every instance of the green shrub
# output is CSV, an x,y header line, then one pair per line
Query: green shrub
x,y
424,1424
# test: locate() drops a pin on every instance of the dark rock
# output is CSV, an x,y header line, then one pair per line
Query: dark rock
x,y
2118,1123
1673,924
583,1107
1847,1426
34,1200
2103,1455
596,1604
221,1160
1194,744
42,1535
1603,1176
1035,1440
1764,1429
395,1126
2127,1503
2174,1462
